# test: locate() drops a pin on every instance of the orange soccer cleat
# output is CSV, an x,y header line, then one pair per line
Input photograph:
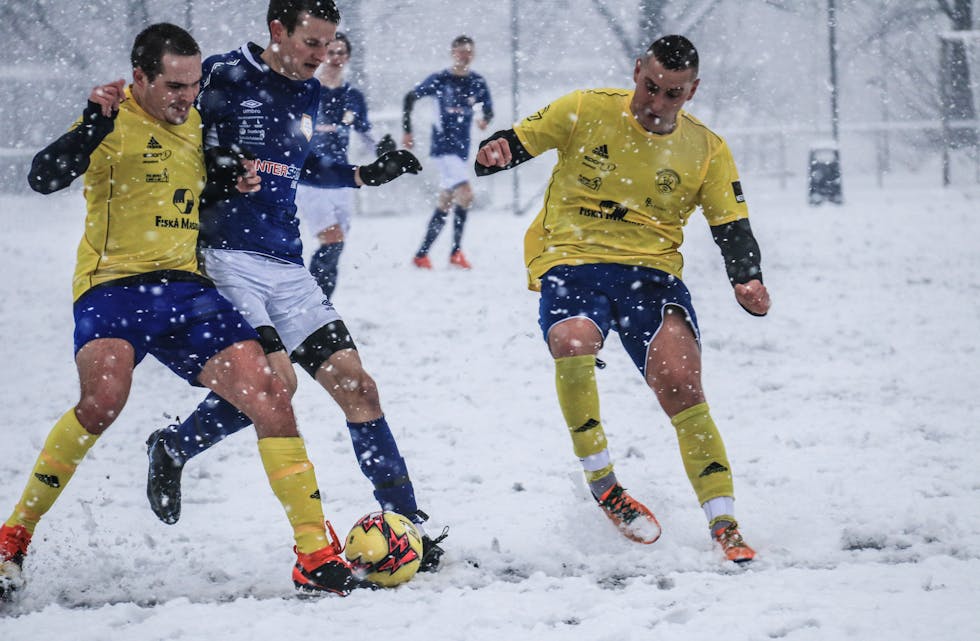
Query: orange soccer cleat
x,y
731,541
633,519
422,262
323,571
13,548
459,260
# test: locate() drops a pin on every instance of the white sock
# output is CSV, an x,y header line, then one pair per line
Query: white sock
x,y
719,506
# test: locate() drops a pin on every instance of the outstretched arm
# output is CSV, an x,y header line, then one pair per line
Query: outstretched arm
x,y
387,167
743,262
502,150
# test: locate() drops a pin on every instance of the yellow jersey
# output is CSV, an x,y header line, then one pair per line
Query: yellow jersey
x,y
620,194
141,190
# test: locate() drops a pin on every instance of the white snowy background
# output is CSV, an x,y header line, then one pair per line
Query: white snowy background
x,y
850,414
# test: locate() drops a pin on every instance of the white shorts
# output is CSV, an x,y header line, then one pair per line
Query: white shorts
x,y
268,291
320,208
453,171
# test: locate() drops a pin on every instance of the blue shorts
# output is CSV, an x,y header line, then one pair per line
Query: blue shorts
x,y
182,323
629,300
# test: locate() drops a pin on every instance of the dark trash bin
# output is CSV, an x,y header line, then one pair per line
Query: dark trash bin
x,y
824,173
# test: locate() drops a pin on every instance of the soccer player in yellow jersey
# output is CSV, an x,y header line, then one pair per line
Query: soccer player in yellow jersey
x,y
604,253
138,291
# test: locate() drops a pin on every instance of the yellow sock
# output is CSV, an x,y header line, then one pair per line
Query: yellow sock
x,y
578,396
294,483
64,449
703,453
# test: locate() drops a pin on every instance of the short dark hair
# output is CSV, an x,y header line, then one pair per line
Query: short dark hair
x,y
459,41
342,37
675,53
287,11
157,40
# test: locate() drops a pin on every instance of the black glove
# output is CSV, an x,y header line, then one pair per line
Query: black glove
x,y
224,165
385,145
390,166
224,168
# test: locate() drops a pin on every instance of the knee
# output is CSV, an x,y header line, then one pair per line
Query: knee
x,y
272,406
331,235
464,196
354,390
444,201
359,385
98,409
574,337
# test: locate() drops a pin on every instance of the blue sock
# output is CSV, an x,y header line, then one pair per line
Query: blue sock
x,y
377,453
213,420
459,221
436,223
323,266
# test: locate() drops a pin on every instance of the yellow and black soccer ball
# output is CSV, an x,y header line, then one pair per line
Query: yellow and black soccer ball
x,y
384,548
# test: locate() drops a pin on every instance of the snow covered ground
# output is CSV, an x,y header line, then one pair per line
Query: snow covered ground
x,y
850,415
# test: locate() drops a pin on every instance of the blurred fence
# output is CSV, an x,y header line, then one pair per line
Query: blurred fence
x,y
762,88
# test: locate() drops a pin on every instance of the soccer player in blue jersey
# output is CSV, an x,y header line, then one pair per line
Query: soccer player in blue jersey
x,y
262,102
138,291
343,110
457,91
605,254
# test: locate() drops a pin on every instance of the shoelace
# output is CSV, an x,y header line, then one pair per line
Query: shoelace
x,y
730,537
621,505
334,545
334,539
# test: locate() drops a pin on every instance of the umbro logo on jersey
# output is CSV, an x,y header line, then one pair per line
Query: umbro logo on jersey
x,y
48,479
602,151
714,468
153,144
251,104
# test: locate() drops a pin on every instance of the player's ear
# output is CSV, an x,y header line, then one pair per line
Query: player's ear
x,y
276,32
636,70
694,88
139,78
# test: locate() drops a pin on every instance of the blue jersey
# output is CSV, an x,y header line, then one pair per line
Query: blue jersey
x,y
456,96
244,103
341,110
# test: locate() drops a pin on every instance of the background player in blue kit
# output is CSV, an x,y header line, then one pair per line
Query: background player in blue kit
x,y
457,90
343,110
264,102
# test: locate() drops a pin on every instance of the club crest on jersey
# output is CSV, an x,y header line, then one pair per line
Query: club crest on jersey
x,y
306,126
667,181
184,201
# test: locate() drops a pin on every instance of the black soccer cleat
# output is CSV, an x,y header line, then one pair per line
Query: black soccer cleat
x,y
432,552
323,572
163,479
